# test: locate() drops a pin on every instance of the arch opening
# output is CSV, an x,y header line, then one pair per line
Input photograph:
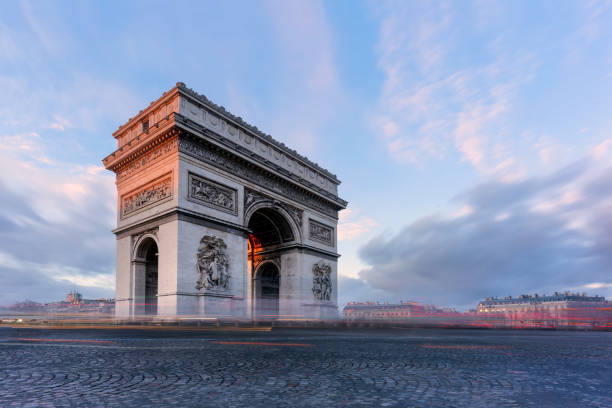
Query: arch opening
x,y
148,252
269,227
270,231
267,286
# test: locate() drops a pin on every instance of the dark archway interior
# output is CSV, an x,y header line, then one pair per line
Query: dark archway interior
x,y
270,278
269,231
267,285
148,251
269,227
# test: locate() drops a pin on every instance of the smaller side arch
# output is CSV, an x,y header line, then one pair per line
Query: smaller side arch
x,y
144,275
138,249
267,290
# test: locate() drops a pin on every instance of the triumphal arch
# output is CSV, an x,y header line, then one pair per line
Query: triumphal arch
x,y
216,218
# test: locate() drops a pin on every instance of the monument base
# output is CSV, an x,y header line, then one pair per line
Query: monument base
x,y
321,310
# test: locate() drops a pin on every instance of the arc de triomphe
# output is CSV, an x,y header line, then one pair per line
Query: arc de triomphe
x,y
216,218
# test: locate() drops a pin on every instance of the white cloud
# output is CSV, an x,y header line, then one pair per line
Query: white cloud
x,y
96,280
307,68
598,285
85,103
428,102
352,226
9,261
549,233
502,216
464,211
55,222
603,150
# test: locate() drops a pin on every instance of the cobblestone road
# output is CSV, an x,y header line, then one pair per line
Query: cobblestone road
x,y
304,368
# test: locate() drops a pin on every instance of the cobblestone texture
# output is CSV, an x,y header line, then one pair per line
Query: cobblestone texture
x,y
402,368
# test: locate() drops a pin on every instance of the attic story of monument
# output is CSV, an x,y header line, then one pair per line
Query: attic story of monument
x,y
216,218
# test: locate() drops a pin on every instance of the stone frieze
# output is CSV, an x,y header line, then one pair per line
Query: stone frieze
x,y
149,158
146,196
263,178
213,194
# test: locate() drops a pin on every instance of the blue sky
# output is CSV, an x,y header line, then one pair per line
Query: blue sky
x,y
472,138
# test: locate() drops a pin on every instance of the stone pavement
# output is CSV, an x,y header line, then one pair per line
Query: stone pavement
x,y
304,368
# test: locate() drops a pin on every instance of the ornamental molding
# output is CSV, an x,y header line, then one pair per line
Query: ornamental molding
x,y
134,150
320,232
191,126
226,161
212,264
253,198
152,193
321,281
201,108
212,194
149,158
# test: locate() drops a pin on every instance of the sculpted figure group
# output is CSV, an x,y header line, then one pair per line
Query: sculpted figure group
x,y
321,281
212,264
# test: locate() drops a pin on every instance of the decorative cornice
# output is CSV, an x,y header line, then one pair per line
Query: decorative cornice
x,y
253,129
195,128
217,156
166,96
118,159
182,214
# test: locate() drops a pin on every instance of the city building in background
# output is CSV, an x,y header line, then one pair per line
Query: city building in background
x,y
541,311
74,297
403,312
74,303
557,311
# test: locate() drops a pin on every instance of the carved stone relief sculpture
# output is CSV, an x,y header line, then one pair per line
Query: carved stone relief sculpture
x,y
212,194
212,264
320,232
321,281
260,177
149,158
146,196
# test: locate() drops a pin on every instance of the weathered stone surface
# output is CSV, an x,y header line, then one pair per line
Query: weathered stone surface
x,y
187,169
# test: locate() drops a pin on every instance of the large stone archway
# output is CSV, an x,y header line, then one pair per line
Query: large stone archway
x,y
273,241
220,200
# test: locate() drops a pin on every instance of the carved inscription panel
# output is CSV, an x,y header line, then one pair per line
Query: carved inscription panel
x,y
320,232
213,194
148,195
